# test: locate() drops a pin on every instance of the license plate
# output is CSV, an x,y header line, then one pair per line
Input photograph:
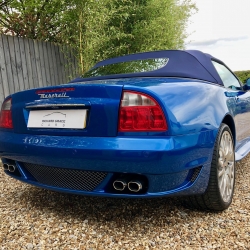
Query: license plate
x,y
74,119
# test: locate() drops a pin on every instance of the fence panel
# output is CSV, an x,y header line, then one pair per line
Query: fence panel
x,y
27,63
4,87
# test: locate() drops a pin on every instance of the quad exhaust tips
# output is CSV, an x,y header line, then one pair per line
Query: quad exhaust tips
x,y
5,166
9,167
133,186
119,184
12,168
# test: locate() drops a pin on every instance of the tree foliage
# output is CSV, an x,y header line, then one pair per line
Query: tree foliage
x,y
100,29
243,75
118,27
36,19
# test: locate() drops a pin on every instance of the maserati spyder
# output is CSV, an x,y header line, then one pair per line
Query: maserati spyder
x,y
153,124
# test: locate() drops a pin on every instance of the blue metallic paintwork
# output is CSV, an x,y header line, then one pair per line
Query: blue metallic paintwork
x,y
194,111
189,105
160,185
242,114
94,97
157,155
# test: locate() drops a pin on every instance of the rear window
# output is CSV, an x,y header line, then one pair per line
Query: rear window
x,y
135,66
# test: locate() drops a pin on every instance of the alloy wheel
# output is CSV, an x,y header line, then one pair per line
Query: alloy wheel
x,y
226,166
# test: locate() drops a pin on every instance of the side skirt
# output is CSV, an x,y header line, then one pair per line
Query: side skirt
x,y
242,149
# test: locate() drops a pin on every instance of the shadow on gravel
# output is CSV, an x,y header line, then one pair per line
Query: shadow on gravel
x,y
106,210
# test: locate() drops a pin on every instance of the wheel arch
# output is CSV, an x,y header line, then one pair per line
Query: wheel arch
x,y
228,119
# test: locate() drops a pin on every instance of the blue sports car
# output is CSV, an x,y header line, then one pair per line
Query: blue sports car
x,y
162,123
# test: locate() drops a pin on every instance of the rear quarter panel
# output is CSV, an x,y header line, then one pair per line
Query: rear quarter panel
x,y
190,106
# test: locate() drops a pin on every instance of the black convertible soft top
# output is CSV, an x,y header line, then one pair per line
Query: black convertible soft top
x,y
181,63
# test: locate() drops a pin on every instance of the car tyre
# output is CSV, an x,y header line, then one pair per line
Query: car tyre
x,y
219,193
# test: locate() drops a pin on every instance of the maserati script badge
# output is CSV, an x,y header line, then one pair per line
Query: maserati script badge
x,y
54,93
64,94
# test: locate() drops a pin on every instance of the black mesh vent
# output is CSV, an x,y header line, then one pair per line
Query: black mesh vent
x,y
65,178
195,174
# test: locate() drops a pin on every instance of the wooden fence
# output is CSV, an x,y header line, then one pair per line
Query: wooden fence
x,y
27,63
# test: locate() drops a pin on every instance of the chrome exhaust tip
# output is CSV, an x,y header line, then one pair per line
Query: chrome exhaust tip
x,y
135,186
119,185
5,166
12,168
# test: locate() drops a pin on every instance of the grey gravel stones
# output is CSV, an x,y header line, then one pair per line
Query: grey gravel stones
x,y
33,218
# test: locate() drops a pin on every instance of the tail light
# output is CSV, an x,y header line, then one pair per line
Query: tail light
x,y
5,116
140,112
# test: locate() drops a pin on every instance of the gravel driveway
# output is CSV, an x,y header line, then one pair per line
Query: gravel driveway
x,y
33,218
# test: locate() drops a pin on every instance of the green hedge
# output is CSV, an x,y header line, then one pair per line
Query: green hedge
x,y
243,75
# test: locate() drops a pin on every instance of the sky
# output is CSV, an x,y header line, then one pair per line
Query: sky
x,y
222,29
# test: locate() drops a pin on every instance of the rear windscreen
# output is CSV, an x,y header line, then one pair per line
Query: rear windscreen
x,y
135,66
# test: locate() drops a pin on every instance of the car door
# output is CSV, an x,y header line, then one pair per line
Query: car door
x,y
238,101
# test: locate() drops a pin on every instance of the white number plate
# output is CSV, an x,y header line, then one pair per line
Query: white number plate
x,y
69,118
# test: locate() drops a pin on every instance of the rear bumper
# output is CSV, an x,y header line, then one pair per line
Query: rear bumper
x,y
166,162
